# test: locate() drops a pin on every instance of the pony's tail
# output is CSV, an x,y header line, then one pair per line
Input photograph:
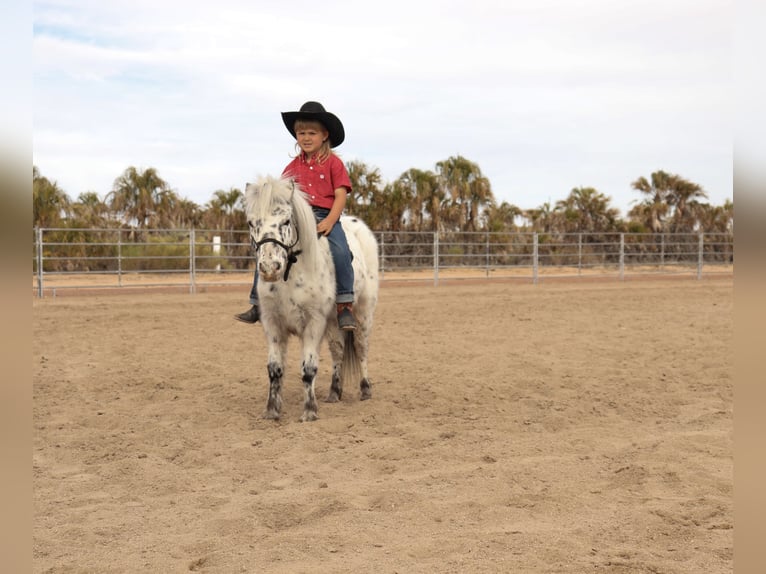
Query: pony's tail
x,y
350,366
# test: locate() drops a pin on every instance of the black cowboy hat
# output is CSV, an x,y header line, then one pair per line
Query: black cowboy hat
x,y
315,111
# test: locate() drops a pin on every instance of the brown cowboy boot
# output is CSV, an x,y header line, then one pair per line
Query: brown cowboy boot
x,y
346,319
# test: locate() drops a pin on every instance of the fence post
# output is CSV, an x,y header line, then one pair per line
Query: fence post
x,y
579,253
622,257
192,285
382,249
39,254
534,258
436,258
700,256
487,257
119,257
217,251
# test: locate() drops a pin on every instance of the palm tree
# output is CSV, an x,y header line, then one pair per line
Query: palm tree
x,y
587,210
453,174
543,219
187,213
166,210
667,196
89,211
715,219
50,204
434,197
467,188
140,198
225,211
641,218
421,186
502,217
365,186
728,215
397,198
684,196
228,201
480,198
655,205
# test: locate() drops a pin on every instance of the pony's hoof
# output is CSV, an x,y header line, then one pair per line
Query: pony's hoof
x,y
333,397
309,416
271,415
365,395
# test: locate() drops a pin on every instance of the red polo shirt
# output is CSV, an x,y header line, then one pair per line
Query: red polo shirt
x,y
319,180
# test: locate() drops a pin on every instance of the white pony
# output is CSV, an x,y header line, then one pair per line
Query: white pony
x,y
296,291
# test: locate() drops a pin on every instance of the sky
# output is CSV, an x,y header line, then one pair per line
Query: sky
x,y
544,95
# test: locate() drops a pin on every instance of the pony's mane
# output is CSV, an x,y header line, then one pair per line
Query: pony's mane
x,y
269,192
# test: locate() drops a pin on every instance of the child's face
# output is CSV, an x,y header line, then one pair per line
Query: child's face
x,y
310,137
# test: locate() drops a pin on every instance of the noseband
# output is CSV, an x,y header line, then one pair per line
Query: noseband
x,y
292,256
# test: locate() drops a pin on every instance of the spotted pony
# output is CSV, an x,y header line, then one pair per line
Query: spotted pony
x,y
296,292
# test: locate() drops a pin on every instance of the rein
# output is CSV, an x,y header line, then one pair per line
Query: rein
x,y
292,256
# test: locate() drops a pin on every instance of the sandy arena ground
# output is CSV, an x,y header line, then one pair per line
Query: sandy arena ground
x,y
572,427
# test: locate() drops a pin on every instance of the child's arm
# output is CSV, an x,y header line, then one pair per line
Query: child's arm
x,y
339,203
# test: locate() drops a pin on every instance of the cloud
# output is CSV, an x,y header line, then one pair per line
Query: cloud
x,y
544,96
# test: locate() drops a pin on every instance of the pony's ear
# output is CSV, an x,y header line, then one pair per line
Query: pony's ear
x,y
251,191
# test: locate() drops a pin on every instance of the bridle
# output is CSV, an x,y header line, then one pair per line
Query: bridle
x,y
292,256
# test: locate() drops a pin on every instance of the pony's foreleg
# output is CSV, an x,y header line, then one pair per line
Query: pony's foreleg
x,y
276,372
309,369
274,405
309,396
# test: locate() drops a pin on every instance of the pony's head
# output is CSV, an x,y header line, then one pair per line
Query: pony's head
x,y
282,226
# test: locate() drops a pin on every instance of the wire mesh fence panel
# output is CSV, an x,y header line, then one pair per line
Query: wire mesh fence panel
x,y
405,250
77,258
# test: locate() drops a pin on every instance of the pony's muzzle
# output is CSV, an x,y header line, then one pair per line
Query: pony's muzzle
x,y
270,271
274,256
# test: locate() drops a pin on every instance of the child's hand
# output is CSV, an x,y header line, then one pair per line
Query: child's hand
x,y
325,226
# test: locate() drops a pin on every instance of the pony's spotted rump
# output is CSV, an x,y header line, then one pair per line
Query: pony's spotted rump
x,y
296,291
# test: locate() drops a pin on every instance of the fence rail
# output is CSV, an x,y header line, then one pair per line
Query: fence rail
x,y
66,258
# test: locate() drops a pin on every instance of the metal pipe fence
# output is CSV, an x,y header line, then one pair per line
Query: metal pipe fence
x,y
191,259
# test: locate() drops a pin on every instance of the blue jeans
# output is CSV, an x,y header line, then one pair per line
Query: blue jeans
x,y
341,257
